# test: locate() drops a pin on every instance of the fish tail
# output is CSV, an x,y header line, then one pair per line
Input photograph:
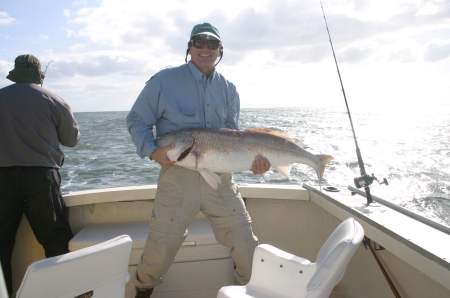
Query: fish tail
x,y
323,160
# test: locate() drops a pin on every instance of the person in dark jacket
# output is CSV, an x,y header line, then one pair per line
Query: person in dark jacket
x,y
34,122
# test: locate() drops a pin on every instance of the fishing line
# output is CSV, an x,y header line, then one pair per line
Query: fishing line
x,y
365,180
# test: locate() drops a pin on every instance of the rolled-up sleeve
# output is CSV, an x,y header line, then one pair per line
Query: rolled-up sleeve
x,y
143,116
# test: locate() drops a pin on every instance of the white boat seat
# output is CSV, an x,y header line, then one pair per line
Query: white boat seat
x,y
99,271
276,273
201,267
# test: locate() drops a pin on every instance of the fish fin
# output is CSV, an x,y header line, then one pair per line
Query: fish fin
x,y
324,159
196,161
210,177
284,170
274,133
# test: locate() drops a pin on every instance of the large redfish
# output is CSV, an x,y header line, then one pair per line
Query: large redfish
x,y
211,151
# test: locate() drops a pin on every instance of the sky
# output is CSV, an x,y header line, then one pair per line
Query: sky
x,y
98,54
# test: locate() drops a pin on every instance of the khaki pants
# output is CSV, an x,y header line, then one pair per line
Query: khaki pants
x,y
180,195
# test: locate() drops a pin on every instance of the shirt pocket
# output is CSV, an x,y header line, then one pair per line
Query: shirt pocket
x,y
220,113
189,118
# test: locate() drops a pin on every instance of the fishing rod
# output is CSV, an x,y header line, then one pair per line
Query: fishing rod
x,y
46,69
364,180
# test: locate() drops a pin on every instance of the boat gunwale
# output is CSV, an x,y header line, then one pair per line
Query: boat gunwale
x,y
148,192
404,211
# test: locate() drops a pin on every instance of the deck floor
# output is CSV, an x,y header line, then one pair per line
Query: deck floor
x,y
338,293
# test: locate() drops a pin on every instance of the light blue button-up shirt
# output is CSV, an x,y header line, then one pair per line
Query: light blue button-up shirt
x,y
178,98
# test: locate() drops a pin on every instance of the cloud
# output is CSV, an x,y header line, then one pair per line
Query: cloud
x,y
131,25
5,19
437,51
304,54
98,64
354,55
67,13
112,93
403,55
292,30
69,33
5,66
283,24
108,50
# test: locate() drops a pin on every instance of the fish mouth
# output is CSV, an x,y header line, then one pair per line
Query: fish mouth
x,y
184,154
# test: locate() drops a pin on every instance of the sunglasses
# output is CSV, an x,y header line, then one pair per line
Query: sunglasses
x,y
212,44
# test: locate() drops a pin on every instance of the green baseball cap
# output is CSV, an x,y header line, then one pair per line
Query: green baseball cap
x,y
27,69
206,29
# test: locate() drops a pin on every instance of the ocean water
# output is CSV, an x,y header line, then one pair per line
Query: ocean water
x,y
410,148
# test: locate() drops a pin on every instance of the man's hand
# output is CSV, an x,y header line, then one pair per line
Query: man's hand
x,y
160,155
260,165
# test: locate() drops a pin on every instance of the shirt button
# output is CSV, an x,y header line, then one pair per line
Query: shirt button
x,y
207,122
207,104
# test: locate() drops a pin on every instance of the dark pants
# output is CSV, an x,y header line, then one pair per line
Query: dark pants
x,y
35,192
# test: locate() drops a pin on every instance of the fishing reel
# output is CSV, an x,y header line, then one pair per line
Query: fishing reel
x,y
366,180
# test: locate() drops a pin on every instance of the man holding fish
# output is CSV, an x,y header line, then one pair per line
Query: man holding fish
x,y
193,95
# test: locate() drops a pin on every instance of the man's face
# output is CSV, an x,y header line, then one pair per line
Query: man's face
x,y
204,58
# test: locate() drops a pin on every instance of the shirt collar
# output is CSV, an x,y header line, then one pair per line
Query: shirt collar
x,y
198,75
